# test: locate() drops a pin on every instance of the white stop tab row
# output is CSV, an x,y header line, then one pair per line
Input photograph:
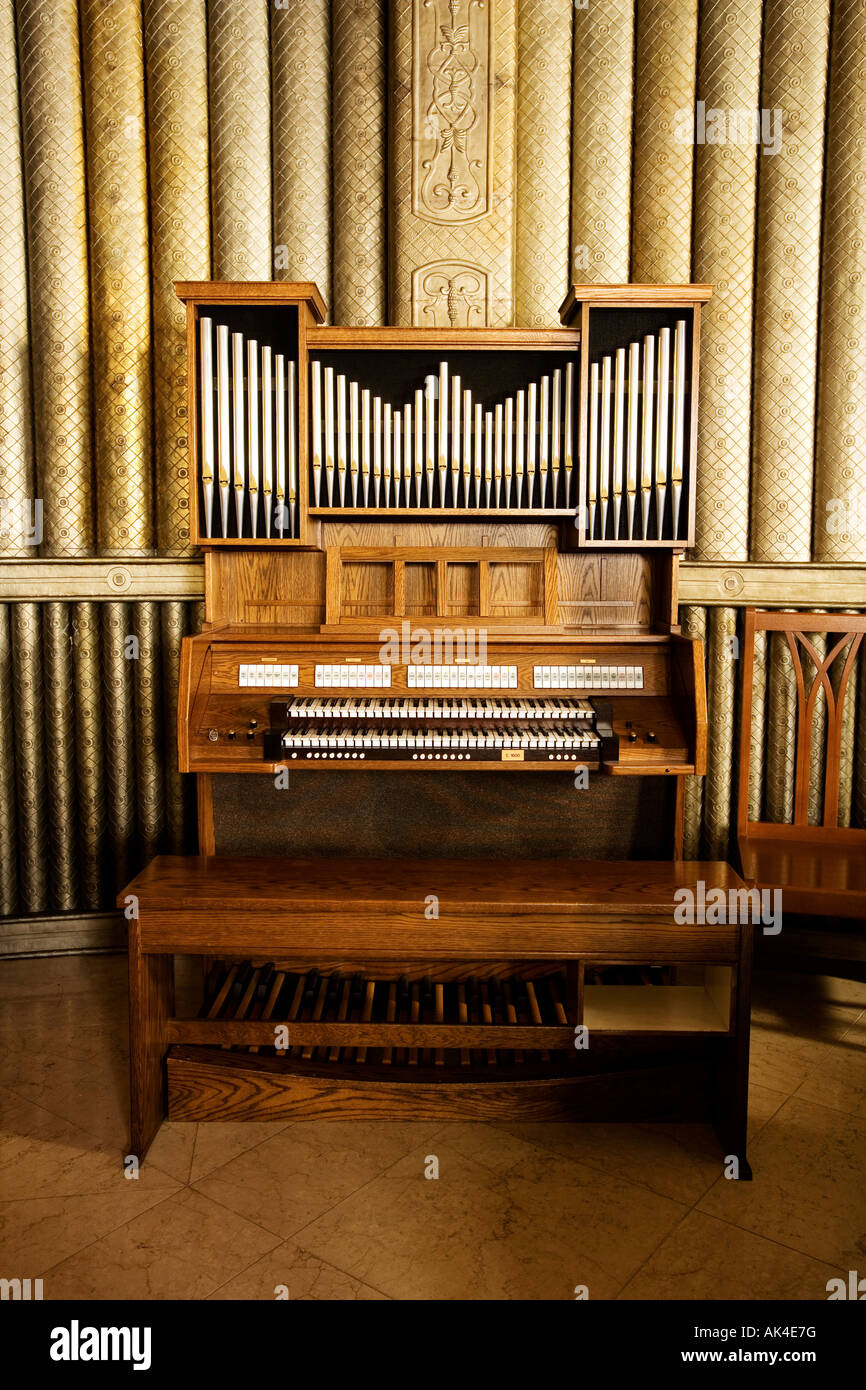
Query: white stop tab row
x,y
267,675
461,677
587,677
353,677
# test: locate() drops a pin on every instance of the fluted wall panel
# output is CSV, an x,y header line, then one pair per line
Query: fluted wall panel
x,y
147,678
786,292
818,731
781,732
722,673
60,342
301,75
118,657
729,73
758,733
664,99
694,621
840,461
8,816
59,703
16,443
359,139
89,753
601,153
112,45
32,790
174,618
543,159
175,44
240,134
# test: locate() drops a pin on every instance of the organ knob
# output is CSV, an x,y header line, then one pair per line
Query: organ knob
x,y
650,738
232,736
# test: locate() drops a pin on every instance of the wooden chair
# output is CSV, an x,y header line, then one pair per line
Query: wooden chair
x,y
821,869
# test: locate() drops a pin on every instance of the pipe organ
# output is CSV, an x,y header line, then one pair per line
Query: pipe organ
x,y
447,558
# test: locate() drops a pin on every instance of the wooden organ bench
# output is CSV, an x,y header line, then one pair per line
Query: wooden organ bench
x,y
390,1012
436,562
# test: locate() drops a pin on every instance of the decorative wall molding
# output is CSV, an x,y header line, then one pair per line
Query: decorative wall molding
x,y
701,582
42,580
773,586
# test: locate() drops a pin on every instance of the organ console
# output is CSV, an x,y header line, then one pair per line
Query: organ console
x,y
449,552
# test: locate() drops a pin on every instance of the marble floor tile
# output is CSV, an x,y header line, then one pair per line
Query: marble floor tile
x,y
37,1232
809,1187
290,1179
189,1151
43,1155
707,1259
781,1061
536,1230
840,1078
184,1248
293,1274
680,1161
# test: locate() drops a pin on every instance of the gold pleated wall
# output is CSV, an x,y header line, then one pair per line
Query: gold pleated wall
x,y
113,52
16,443
240,138
601,142
145,141
61,351
175,48
786,293
840,461
359,139
301,78
665,74
543,150
729,75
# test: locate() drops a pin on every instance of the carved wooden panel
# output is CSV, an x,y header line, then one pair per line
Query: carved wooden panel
x,y
450,294
452,139
451,110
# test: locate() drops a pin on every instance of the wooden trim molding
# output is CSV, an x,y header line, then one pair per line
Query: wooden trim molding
x,y
66,933
707,583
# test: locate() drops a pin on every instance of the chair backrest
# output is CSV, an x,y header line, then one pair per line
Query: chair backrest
x,y
831,674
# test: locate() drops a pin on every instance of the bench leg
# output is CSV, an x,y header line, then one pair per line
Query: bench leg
x,y
151,1003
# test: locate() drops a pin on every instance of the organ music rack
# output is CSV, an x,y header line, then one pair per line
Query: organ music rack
x,y
517,615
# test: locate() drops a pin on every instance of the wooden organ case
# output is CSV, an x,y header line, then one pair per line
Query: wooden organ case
x,y
437,561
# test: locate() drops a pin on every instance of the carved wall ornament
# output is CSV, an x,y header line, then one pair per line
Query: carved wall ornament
x,y
452,118
450,294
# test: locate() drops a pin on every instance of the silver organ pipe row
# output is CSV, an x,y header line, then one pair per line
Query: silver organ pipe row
x,y
248,421
636,442
457,452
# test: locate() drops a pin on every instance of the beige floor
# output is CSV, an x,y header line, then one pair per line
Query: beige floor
x,y
344,1211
